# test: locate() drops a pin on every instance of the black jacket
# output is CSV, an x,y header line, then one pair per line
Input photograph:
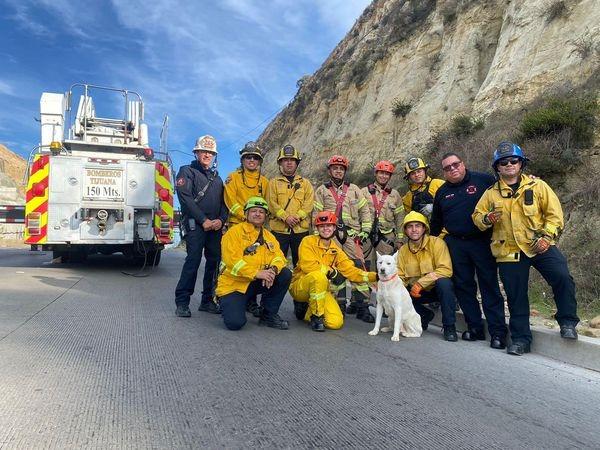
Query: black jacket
x,y
454,203
191,179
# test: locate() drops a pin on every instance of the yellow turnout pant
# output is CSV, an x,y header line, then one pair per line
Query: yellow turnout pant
x,y
314,289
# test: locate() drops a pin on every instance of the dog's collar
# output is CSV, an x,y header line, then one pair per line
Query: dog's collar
x,y
388,279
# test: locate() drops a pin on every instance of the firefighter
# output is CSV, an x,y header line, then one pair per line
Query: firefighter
x,y
526,218
353,228
321,262
421,187
252,263
291,199
469,248
245,182
242,184
387,211
203,213
425,268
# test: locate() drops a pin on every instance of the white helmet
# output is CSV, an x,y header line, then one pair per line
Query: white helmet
x,y
206,143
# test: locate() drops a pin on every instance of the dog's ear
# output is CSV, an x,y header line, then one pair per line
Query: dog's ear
x,y
378,254
395,256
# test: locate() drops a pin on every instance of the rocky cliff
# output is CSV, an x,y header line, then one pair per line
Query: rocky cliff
x,y
12,168
406,68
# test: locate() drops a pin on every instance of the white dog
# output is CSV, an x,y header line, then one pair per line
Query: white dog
x,y
393,297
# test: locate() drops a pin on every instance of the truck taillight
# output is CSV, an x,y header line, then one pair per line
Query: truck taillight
x,y
33,223
163,194
38,189
165,225
148,153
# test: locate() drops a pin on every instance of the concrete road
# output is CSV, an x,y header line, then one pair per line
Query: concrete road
x,y
92,358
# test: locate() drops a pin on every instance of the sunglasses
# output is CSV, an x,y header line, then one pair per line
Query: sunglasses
x,y
254,157
454,165
507,161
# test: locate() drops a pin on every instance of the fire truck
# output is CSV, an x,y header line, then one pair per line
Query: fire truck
x,y
94,185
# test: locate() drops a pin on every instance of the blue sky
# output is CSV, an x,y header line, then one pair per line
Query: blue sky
x,y
219,67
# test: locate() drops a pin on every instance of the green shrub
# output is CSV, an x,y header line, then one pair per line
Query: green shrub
x,y
465,125
577,117
401,108
360,71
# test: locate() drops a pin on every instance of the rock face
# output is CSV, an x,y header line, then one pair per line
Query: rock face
x,y
440,59
12,169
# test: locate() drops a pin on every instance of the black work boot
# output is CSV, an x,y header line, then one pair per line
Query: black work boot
x,y
316,323
210,307
518,348
568,332
364,314
450,333
183,311
273,321
498,341
427,317
473,334
300,309
253,308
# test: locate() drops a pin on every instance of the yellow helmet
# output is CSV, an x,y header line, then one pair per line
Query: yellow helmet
x,y
414,164
288,151
415,216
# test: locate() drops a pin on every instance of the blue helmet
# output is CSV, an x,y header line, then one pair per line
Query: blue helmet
x,y
506,150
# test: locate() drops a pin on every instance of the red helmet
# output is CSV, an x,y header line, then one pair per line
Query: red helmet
x,y
325,218
384,166
338,160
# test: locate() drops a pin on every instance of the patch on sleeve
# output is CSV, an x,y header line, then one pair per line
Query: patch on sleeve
x,y
181,181
227,180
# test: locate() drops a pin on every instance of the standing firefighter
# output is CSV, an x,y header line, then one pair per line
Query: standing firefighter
x,y
321,262
200,193
291,200
421,187
526,219
242,184
386,209
252,264
352,230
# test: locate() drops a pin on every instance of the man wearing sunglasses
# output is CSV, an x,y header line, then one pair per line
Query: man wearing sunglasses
x,y
469,249
200,192
526,218
242,184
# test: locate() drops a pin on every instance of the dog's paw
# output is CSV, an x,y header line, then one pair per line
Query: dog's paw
x,y
373,333
386,329
395,338
411,335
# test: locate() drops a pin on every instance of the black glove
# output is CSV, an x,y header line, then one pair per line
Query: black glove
x,y
332,273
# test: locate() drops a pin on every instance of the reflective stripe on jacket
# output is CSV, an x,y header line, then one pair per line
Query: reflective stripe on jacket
x,y
523,219
430,262
355,211
300,195
239,188
238,269
315,257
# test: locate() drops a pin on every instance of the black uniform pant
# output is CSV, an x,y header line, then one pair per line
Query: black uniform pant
x,y
470,257
443,293
233,306
198,242
290,241
552,265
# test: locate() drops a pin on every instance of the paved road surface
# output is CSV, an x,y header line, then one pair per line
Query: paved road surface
x,y
93,358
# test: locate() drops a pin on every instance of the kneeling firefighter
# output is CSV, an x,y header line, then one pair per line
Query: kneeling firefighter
x,y
321,261
252,263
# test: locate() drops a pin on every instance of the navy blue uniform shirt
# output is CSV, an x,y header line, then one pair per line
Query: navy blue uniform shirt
x,y
191,179
454,203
